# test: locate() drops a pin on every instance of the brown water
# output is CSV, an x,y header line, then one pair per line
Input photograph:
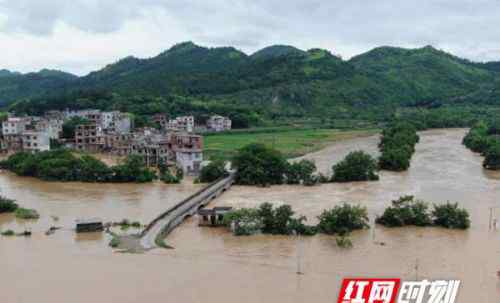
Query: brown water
x,y
211,265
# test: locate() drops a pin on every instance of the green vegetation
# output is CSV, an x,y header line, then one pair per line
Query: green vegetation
x,y
257,164
115,242
126,224
62,165
278,82
301,172
213,171
7,205
26,214
8,233
343,219
406,211
397,146
409,211
290,141
357,166
485,139
343,241
168,177
268,220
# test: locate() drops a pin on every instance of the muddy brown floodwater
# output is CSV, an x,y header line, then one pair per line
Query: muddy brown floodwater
x,y
211,265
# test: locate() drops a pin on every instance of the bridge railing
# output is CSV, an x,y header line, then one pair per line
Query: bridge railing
x,y
205,191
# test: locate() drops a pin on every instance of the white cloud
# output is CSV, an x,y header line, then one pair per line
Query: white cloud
x,y
83,35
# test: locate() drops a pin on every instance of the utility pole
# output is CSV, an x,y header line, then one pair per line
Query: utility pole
x,y
299,254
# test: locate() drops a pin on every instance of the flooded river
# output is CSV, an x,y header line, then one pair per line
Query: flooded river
x,y
211,265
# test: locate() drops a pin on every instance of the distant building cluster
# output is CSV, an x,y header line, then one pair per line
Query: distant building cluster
x,y
172,143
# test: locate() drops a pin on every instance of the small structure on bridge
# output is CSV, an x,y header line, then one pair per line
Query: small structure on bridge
x,y
212,217
89,225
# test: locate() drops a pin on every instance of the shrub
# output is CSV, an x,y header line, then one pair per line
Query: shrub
x,y
27,214
343,219
357,166
492,157
246,221
115,242
168,178
213,171
450,216
343,241
301,172
406,211
8,233
268,220
7,205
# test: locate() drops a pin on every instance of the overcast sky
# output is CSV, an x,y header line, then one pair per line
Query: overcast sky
x,y
84,35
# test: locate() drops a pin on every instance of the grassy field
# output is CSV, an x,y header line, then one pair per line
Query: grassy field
x,y
291,142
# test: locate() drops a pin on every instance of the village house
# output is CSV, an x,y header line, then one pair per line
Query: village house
x,y
35,141
218,123
181,124
89,138
188,150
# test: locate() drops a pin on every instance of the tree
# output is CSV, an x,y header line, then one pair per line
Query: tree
x,y
7,205
133,170
257,164
357,166
213,171
406,211
450,216
343,219
492,158
301,171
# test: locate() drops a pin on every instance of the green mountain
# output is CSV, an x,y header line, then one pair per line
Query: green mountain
x,y
275,51
277,81
15,86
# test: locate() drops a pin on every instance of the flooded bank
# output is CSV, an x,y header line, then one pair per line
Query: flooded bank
x,y
211,265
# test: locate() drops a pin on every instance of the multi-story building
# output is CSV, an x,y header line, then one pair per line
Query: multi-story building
x,y
35,141
15,125
188,151
218,123
93,115
116,121
89,137
183,124
52,126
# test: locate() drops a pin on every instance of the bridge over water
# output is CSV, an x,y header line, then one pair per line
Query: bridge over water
x,y
170,219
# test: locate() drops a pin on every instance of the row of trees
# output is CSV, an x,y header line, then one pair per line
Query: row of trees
x,y
257,164
485,139
397,146
409,211
343,219
281,220
62,165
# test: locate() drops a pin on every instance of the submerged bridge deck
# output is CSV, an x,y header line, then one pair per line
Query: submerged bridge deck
x,y
170,219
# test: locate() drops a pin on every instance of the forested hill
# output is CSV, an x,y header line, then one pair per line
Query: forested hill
x,y
279,80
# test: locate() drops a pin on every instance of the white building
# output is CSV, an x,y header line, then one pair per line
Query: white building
x,y
53,127
116,121
14,126
184,123
218,123
35,141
